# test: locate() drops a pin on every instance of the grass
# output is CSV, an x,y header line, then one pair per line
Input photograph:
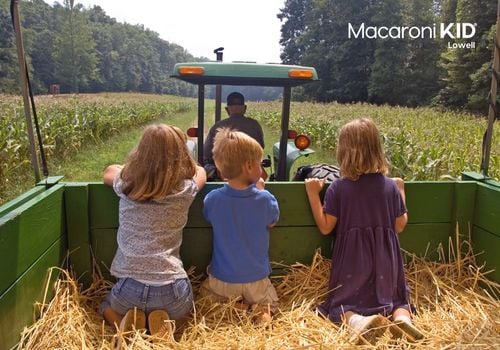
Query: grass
x,y
89,164
76,130
86,166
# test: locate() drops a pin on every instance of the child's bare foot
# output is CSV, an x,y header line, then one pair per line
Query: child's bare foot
x,y
241,306
262,314
263,318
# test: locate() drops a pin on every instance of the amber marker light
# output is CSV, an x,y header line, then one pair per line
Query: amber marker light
x,y
302,142
192,132
191,70
300,73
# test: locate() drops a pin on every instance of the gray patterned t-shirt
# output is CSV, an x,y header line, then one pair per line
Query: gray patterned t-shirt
x,y
150,235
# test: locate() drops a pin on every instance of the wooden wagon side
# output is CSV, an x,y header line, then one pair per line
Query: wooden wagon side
x,y
40,227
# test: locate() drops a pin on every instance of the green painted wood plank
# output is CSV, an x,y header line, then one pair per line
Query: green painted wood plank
x,y
429,202
287,245
195,216
291,198
77,225
26,196
492,183
464,208
470,175
424,239
103,206
103,242
27,231
293,203
487,212
17,303
20,200
51,180
196,248
487,244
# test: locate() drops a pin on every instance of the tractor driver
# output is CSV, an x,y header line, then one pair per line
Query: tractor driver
x,y
236,109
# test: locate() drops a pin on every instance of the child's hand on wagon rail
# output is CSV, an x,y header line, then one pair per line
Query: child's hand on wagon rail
x,y
110,173
314,185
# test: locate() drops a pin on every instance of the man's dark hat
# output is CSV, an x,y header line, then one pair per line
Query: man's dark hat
x,y
235,98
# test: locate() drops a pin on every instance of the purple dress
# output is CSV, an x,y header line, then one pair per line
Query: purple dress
x,y
367,274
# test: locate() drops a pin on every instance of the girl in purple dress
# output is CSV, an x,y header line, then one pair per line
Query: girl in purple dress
x,y
367,280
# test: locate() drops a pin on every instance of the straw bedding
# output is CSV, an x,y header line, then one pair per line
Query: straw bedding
x,y
457,307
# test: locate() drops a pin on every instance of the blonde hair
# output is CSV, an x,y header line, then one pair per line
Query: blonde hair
x,y
158,165
232,149
359,149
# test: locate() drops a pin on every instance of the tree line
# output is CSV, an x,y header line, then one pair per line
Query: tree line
x,y
85,50
408,69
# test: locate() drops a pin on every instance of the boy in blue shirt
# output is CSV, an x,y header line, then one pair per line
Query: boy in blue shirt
x,y
241,213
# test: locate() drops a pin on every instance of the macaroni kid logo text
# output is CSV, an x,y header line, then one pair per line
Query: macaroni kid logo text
x,y
452,31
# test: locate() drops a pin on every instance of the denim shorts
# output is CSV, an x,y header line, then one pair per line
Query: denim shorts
x,y
175,298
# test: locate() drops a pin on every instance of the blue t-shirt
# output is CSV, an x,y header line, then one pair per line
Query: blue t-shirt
x,y
240,221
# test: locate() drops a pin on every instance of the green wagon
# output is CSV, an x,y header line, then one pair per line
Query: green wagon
x,y
38,228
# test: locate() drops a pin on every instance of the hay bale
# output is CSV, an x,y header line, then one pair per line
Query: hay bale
x,y
457,307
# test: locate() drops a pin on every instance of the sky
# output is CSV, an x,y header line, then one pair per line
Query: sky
x,y
247,29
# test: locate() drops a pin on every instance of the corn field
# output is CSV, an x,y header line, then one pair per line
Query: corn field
x,y
420,143
68,123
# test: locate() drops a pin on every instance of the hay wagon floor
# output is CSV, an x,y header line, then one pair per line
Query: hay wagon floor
x,y
457,308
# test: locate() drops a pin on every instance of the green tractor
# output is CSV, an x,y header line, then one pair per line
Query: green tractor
x,y
290,146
